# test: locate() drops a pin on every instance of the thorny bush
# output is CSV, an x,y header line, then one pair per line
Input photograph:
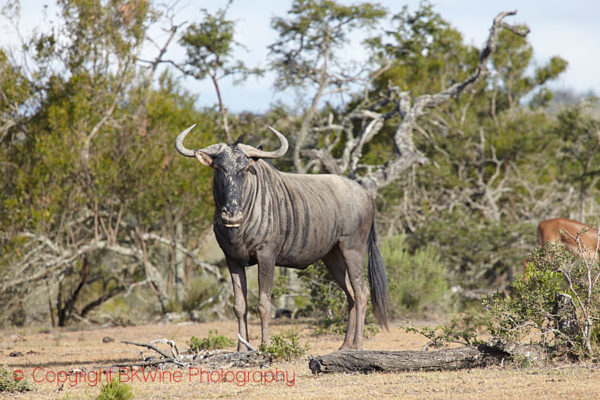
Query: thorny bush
x,y
556,303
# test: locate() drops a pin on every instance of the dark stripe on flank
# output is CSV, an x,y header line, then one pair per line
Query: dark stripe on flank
x,y
306,224
295,223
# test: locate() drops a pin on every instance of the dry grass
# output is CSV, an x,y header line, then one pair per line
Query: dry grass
x,y
63,350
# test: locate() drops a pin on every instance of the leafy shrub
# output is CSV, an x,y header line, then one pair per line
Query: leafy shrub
x,y
476,250
282,349
529,306
461,329
9,384
212,342
416,281
199,290
536,304
281,284
328,302
115,390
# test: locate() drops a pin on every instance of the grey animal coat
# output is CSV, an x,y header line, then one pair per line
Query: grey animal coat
x,y
267,217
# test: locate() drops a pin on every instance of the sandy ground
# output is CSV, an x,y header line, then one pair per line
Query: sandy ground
x,y
47,353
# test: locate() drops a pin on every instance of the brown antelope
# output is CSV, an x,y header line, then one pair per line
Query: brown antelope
x,y
567,232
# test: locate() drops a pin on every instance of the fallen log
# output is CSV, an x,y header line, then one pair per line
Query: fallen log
x,y
484,355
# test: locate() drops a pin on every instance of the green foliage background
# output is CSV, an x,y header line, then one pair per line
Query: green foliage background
x,y
86,154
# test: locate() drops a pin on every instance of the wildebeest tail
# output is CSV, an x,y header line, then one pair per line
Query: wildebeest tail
x,y
377,279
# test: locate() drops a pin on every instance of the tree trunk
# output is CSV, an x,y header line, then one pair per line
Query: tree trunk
x,y
179,265
65,309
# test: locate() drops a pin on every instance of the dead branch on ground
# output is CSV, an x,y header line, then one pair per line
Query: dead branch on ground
x,y
215,359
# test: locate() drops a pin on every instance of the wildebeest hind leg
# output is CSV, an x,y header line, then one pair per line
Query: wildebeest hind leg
x,y
337,267
355,264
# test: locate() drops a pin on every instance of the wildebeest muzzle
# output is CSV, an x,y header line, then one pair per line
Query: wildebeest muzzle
x,y
231,219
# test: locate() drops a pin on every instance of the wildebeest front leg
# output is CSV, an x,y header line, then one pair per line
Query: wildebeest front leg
x,y
240,304
266,270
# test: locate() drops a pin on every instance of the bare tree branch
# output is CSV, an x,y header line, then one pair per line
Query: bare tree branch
x,y
371,122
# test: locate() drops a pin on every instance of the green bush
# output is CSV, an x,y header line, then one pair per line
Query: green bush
x,y
284,347
478,252
461,329
528,307
212,342
328,302
200,289
9,384
416,281
559,300
115,390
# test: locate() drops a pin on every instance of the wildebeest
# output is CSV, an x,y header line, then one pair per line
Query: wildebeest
x,y
267,217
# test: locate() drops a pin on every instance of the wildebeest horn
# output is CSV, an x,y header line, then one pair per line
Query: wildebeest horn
x,y
179,143
251,151
210,150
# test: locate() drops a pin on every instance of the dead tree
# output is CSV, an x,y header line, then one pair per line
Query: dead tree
x,y
86,234
51,258
371,121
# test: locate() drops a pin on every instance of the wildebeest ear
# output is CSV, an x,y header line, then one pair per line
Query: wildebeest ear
x,y
204,158
240,139
252,159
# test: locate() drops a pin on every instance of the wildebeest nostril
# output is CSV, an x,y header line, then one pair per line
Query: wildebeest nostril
x,y
233,218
